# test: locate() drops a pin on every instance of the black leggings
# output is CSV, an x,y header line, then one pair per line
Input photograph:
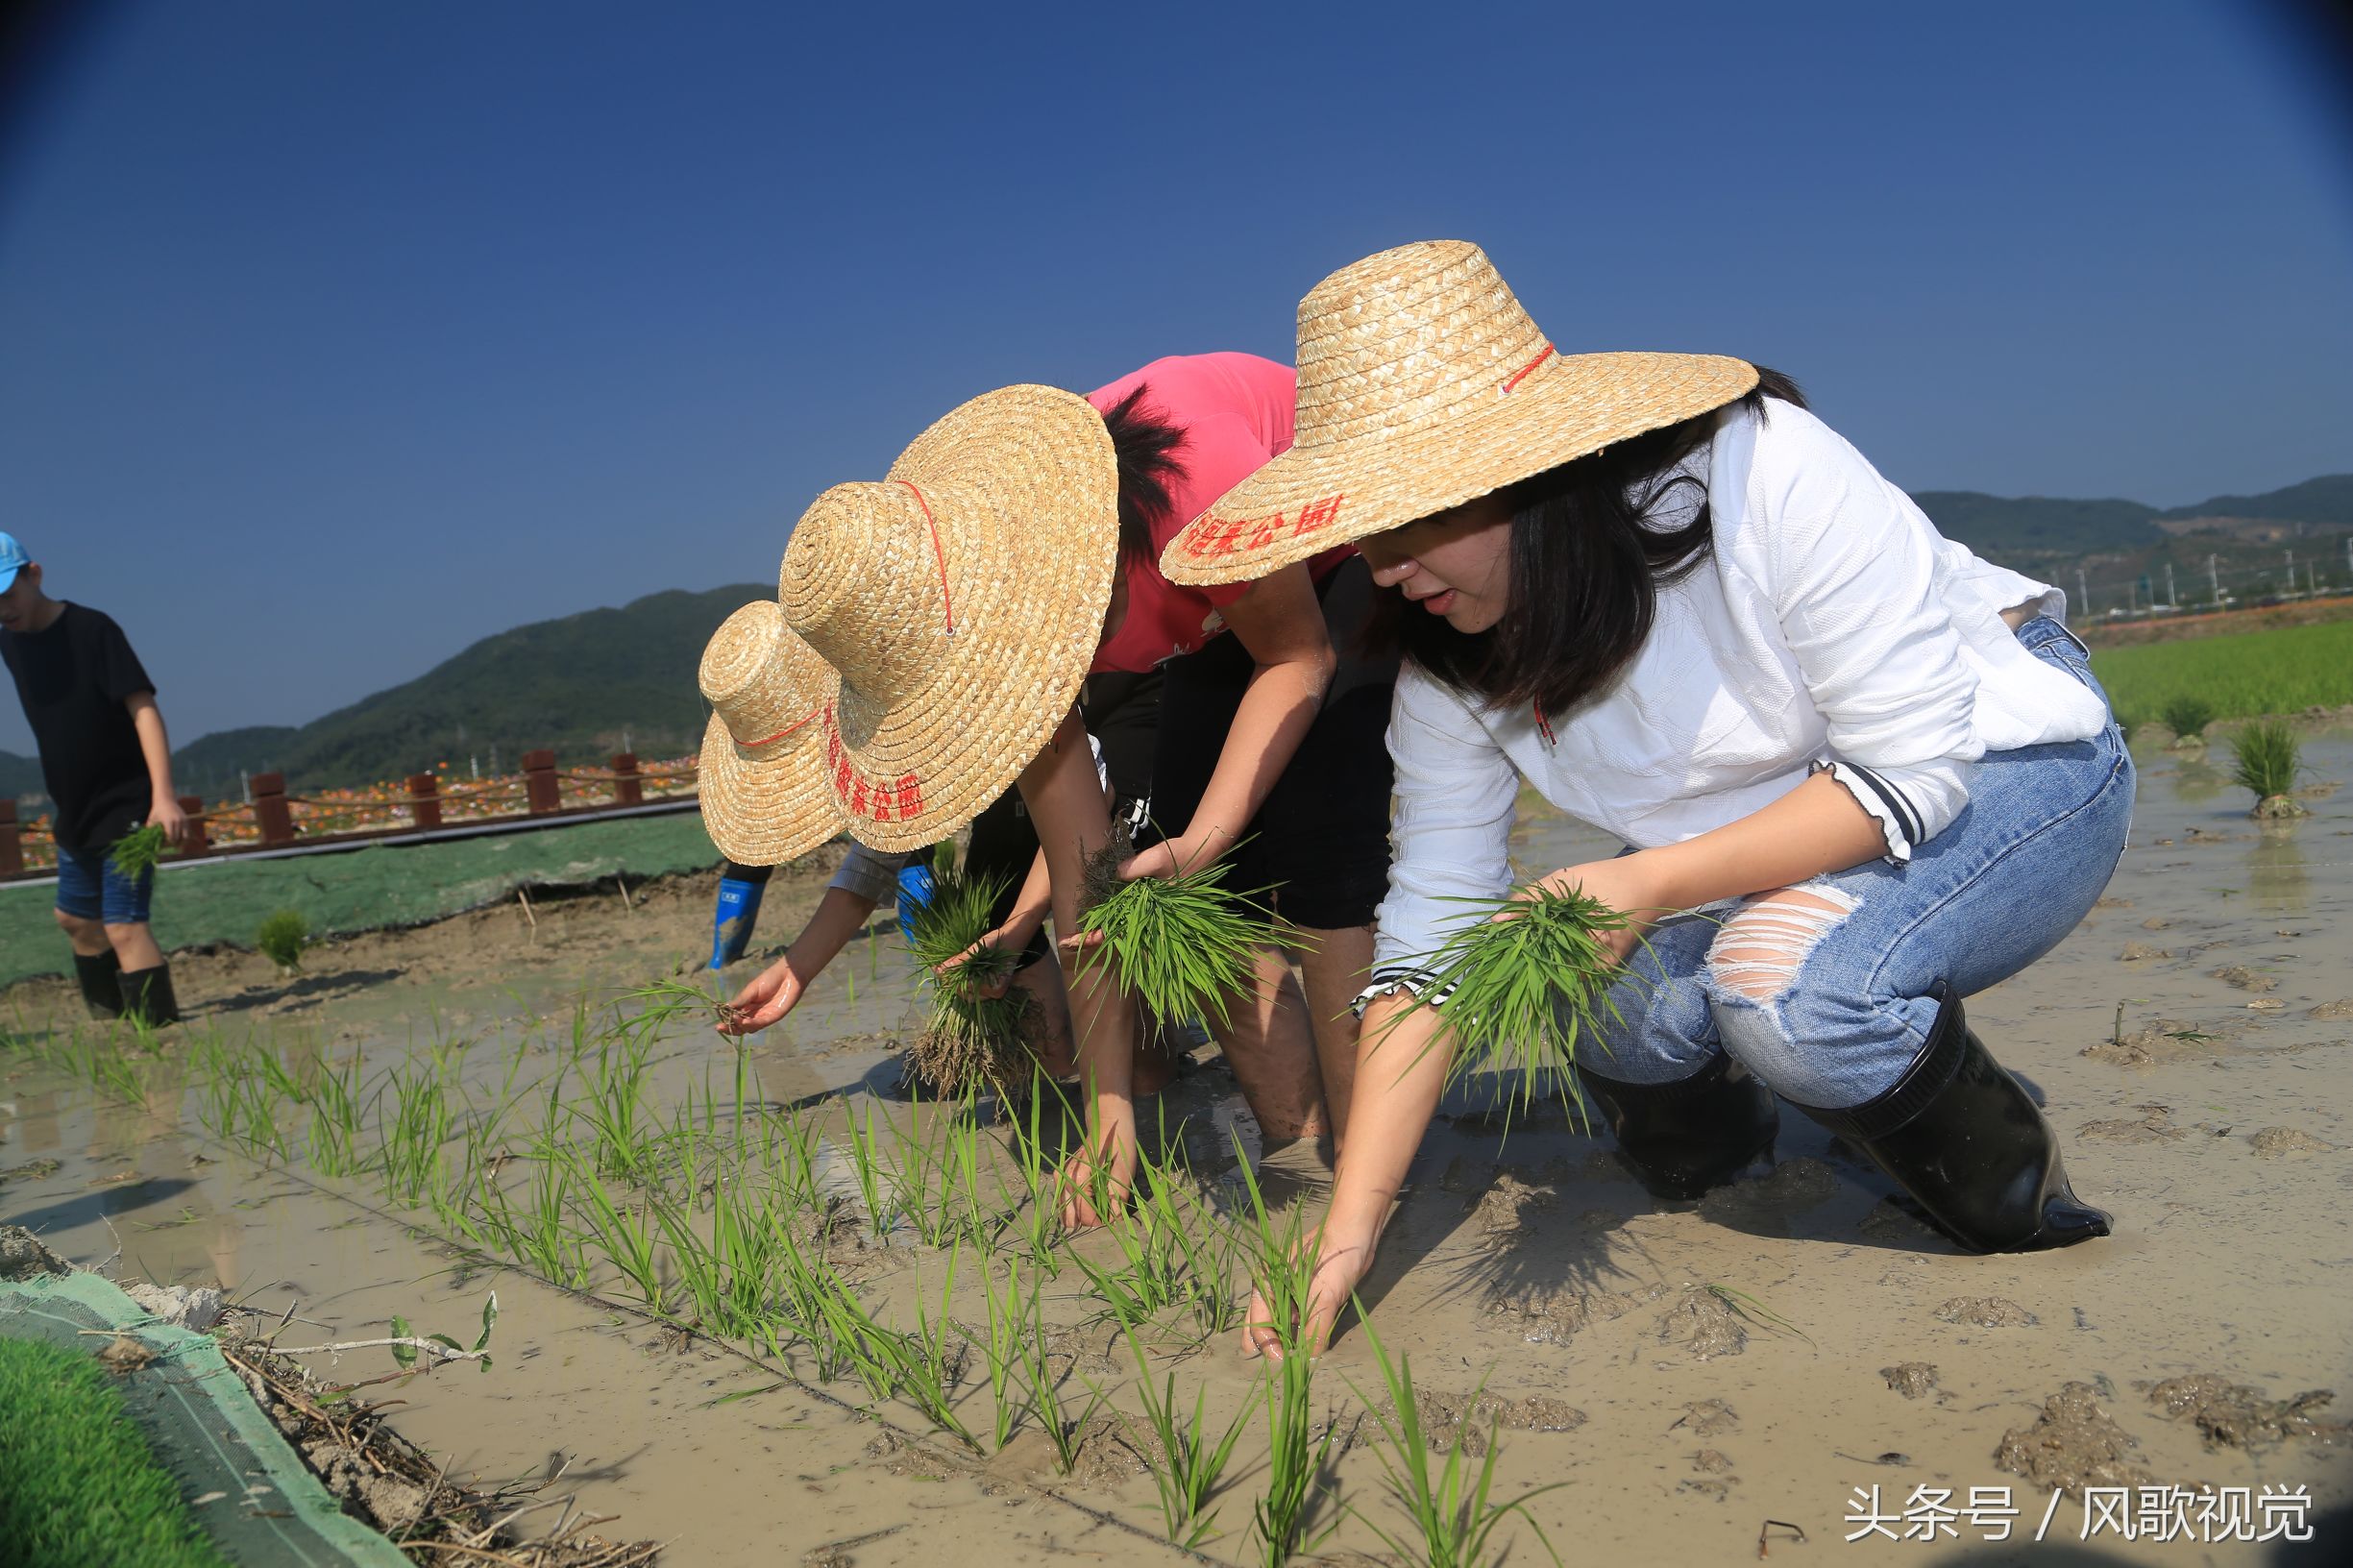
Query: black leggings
x,y
1320,843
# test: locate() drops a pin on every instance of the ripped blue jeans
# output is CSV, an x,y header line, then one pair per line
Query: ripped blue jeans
x,y
1829,1004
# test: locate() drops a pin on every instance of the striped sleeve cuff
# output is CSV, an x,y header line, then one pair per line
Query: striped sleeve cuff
x,y
1895,812
872,874
1399,977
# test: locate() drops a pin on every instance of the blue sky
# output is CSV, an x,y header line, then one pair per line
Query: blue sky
x,y
335,336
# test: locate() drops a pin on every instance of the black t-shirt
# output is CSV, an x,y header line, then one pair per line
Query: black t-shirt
x,y
74,680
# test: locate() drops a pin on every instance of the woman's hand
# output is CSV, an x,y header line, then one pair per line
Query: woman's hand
x,y
1096,1181
772,994
1628,884
1003,939
164,812
1189,851
1340,1266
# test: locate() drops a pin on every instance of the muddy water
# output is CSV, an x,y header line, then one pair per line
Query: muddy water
x,y
1683,1373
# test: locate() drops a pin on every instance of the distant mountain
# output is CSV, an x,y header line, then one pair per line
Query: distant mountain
x,y
577,685
19,776
1997,527
2327,500
2121,553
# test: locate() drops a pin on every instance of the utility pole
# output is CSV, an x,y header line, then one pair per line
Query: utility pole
x,y
2083,591
2214,581
2132,599
2170,597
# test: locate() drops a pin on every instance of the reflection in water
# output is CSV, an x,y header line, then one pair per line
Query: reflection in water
x,y
2280,885
2196,780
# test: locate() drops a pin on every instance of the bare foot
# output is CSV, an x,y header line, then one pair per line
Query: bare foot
x,y
1093,1188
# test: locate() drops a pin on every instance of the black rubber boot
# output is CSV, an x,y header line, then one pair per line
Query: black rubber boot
x,y
1683,1137
1961,1135
100,993
147,996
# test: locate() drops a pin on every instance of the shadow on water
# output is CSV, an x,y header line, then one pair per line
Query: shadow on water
x,y
102,1203
310,990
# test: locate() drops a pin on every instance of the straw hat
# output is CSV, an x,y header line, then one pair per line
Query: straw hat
x,y
762,767
1424,384
960,600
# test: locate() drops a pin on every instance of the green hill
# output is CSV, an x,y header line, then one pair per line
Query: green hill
x,y
19,776
2327,499
577,685
2038,526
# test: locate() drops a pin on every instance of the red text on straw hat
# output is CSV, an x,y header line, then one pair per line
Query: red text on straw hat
x,y
881,799
1218,536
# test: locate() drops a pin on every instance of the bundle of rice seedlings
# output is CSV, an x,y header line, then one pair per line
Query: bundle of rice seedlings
x,y
971,1041
2187,716
136,852
1180,945
1523,995
2267,757
283,936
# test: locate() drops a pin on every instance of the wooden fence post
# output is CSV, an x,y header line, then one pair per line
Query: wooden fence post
x,y
424,800
271,813
539,782
626,790
12,841
198,841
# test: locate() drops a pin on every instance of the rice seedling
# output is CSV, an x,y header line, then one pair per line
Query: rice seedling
x,y
929,1375
2267,758
281,937
613,1104
1191,1461
1002,1349
868,1167
628,1235
1522,994
973,1042
1453,1512
541,1234
408,1141
2187,714
1299,1464
135,855
1180,945
1042,1392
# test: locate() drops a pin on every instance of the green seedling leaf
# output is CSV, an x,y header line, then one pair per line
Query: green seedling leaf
x,y
405,1355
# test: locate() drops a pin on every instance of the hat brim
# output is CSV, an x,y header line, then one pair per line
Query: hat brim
x,y
1310,499
1043,540
765,811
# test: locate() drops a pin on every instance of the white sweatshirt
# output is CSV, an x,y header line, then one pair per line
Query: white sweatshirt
x,y
1830,627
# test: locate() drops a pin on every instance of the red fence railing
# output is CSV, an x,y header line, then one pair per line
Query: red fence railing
x,y
273,819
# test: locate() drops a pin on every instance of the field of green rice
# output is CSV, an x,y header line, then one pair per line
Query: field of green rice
x,y
2240,677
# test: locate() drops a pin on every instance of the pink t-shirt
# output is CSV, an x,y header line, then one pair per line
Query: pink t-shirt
x,y
1236,412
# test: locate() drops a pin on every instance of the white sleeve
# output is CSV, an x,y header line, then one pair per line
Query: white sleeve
x,y
1850,564
1450,837
872,874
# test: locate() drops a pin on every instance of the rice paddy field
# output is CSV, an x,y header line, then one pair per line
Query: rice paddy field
x,y
761,1303
2239,676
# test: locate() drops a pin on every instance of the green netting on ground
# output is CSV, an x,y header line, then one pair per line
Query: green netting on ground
x,y
264,1508
224,900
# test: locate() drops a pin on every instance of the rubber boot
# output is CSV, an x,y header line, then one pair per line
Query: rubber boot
x,y
147,996
738,912
1962,1137
1681,1138
100,992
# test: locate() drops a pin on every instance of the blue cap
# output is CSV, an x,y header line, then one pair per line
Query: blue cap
x,y
12,560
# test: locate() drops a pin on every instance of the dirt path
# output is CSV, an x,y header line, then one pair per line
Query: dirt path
x,y
1684,1373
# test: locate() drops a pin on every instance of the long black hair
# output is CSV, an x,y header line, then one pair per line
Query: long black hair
x,y
1584,570
1146,444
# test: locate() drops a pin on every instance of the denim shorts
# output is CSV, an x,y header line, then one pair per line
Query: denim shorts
x,y
91,889
2000,887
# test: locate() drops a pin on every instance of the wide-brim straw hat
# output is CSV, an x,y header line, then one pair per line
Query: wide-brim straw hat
x,y
960,600
765,798
1423,384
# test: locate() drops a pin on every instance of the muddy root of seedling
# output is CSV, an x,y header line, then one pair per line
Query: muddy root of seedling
x,y
961,1052
389,1482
